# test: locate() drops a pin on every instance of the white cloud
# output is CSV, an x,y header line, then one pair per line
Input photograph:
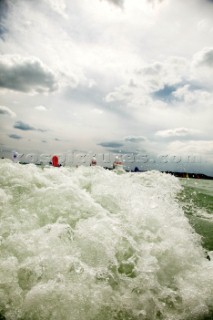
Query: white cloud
x,y
194,97
147,79
176,132
58,6
203,148
97,111
120,94
204,25
158,74
41,108
7,111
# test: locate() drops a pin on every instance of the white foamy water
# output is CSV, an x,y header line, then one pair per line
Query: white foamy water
x,y
89,244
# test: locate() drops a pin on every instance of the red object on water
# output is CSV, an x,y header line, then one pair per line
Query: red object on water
x,y
55,161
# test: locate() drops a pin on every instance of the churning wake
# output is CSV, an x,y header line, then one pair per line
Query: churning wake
x,y
88,244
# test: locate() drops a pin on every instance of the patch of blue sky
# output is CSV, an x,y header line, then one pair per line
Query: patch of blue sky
x,y
167,93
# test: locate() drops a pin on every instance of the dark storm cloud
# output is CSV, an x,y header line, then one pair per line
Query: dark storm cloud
x,y
14,136
111,144
25,74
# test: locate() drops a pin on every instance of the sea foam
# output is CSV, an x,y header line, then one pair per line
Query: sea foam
x,y
88,244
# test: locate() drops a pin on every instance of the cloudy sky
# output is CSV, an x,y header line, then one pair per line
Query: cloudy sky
x,y
128,76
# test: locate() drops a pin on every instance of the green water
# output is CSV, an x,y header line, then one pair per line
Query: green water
x,y
197,199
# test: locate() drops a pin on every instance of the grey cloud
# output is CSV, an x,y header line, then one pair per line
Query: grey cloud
x,y
26,127
95,95
206,57
86,95
111,144
3,14
14,136
153,69
117,2
3,8
155,0
121,2
135,139
91,95
121,151
23,126
41,130
25,74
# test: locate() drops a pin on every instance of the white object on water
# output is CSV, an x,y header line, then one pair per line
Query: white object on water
x,y
118,164
93,162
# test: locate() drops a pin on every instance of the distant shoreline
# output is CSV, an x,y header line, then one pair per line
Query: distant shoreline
x,y
190,175
177,174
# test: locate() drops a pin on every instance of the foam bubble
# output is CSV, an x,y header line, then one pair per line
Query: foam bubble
x,y
88,243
